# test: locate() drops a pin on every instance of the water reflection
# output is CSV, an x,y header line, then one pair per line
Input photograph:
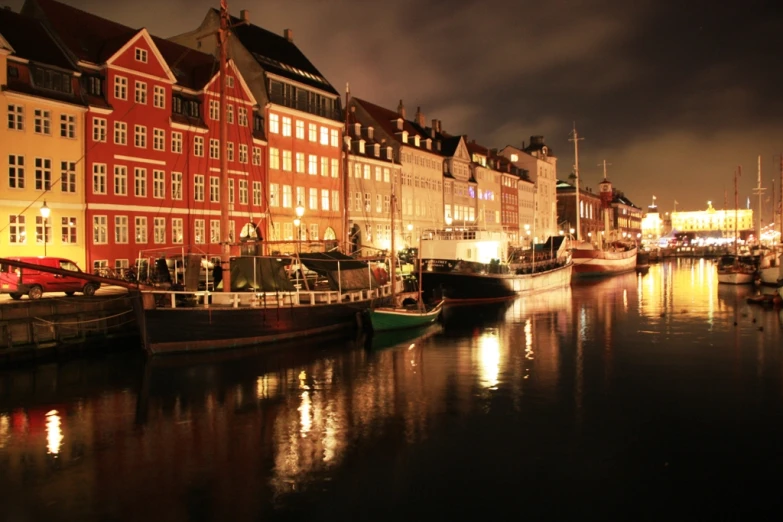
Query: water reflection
x,y
593,377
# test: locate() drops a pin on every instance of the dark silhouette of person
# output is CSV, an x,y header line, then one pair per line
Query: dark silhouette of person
x,y
217,275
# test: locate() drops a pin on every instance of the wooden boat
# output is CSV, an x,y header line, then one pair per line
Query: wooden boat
x,y
473,265
616,258
732,269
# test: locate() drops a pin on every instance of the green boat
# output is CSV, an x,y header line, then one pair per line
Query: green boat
x,y
383,319
400,338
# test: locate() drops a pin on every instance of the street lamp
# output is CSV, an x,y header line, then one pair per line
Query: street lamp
x,y
45,212
449,221
298,224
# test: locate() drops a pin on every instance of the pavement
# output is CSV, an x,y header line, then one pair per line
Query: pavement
x,y
103,291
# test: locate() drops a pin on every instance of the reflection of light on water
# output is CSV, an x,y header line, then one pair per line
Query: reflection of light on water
x,y
304,410
267,385
489,359
330,434
528,340
5,424
625,299
54,435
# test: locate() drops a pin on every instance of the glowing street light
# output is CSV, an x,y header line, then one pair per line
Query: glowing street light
x,y
45,213
300,210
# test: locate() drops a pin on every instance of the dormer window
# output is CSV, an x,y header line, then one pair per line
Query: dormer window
x,y
416,140
405,136
357,129
399,123
141,55
388,153
377,150
428,143
361,146
515,157
370,133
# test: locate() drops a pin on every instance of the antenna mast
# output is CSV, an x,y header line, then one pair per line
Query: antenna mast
x,y
347,150
575,138
225,251
759,191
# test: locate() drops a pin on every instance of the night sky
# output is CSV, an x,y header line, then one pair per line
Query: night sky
x,y
674,95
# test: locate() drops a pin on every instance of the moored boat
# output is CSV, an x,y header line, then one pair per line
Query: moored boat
x,y
733,269
590,260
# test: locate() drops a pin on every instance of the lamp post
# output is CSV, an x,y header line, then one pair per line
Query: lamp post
x,y
298,224
45,212
449,221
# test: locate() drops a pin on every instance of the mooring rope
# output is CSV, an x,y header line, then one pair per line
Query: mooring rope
x,y
84,321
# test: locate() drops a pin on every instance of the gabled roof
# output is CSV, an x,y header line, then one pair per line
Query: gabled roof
x,y
30,41
387,120
278,55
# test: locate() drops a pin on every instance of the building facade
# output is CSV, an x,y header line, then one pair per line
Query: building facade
x,y
590,213
488,195
711,220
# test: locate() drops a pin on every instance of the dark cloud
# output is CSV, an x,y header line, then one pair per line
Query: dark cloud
x,y
674,95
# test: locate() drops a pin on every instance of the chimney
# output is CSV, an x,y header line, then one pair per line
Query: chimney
x,y
419,117
244,15
401,110
289,35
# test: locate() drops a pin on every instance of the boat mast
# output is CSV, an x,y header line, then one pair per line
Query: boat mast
x,y
576,139
346,233
736,204
780,208
392,262
418,258
759,191
225,254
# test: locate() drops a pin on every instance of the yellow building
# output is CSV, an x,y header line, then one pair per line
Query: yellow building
x,y
41,145
712,220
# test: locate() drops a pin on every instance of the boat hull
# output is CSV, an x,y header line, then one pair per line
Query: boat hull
x,y
455,286
384,319
598,263
735,277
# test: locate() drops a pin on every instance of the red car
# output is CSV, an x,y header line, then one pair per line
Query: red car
x,y
20,281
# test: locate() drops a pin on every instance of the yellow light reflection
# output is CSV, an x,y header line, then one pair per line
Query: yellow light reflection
x,y
5,427
54,435
267,386
528,340
489,359
305,410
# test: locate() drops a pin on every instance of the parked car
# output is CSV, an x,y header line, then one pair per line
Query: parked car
x,y
20,281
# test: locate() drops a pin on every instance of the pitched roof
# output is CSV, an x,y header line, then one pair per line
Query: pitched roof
x,y
278,55
30,40
94,39
387,120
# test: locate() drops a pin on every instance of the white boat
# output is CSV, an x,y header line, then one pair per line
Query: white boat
x,y
770,268
733,269
590,260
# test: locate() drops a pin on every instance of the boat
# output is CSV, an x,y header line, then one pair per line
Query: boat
x,y
261,299
643,262
607,254
732,268
469,265
770,267
400,315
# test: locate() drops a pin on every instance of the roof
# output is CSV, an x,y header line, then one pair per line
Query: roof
x,y
30,40
278,55
387,120
93,39
369,143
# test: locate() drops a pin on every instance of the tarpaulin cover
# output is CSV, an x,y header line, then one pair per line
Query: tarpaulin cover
x,y
342,272
270,275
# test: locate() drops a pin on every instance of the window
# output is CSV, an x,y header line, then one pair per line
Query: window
x,y
287,160
300,196
121,229
140,182
367,200
366,172
198,146
324,166
140,229
68,176
68,230
141,92
312,132
274,194
299,129
120,180
94,85
15,117
386,204
176,142
229,82
15,171
120,133
141,55
286,126
256,155
99,129
43,230
67,126
242,116
313,204
198,187
274,158
99,234
300,162
99,178
230,113
379,174
242,153
230,151
334,138
257,193
17,233
335,200
243,192
159,230
231,191
176,185
324,199
288,231
378,203
335,170
214,110
314,231
386,175
274,123
324,136
214,231
158,184
287,196
43,174
177,235
214,189
214,149
312,164
158,139
159,97
357,170
140,136
120,88
199,230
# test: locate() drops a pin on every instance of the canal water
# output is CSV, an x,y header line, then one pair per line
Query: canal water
x,y
640,397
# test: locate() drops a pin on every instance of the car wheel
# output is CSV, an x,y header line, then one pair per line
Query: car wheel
x,y
15,296
69,294
89,290
35,292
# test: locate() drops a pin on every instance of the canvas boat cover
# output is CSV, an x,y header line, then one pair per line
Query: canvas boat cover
x,y
343,272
